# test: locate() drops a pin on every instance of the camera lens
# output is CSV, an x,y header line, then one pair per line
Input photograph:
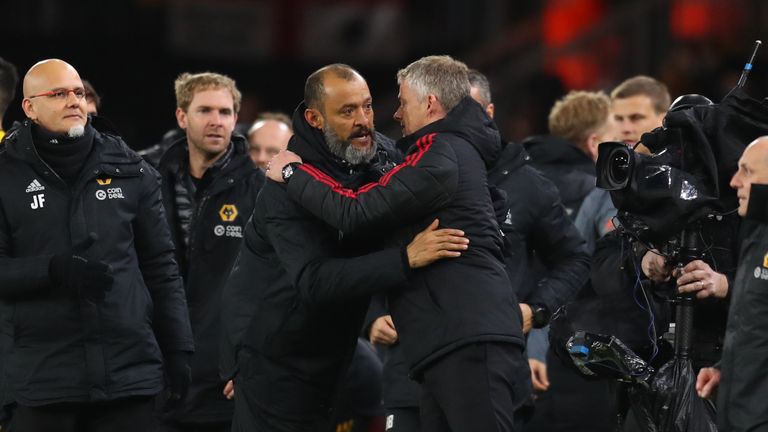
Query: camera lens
x,y
618,168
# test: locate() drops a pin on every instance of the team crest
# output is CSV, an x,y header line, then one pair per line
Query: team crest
x,y
104,181
228,212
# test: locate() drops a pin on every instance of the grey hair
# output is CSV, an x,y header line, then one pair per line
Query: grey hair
x,y
480,82
442,76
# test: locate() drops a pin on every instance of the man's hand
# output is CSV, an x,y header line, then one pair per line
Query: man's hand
x,y
278,162
707,382
699,277
655,267
527,317
229,390
383,331
433,244
539,376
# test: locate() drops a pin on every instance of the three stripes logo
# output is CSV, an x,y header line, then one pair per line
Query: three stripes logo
x,y
35,186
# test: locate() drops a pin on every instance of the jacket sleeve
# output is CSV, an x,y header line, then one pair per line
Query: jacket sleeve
x,y
560,248
312,264
20,276
159,269
422,184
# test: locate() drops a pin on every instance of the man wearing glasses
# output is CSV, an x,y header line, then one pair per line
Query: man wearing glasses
x,y
89,289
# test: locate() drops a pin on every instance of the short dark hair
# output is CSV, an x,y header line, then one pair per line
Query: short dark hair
x,y
90,92
645,86
314,90
480,82
9,79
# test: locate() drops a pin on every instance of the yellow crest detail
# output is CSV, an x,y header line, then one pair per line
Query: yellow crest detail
x,y
228,212
104,181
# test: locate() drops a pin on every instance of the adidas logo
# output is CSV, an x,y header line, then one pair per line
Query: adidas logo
x,y
35,186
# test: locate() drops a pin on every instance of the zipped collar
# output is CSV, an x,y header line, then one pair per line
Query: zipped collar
x,y
110,155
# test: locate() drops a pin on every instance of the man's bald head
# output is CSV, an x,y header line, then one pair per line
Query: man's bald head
x,y
43,73
54,97
753,168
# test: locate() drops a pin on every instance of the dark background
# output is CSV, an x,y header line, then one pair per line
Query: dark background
x,y
532,51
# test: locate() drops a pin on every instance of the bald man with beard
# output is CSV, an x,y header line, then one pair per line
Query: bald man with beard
x,y
89,288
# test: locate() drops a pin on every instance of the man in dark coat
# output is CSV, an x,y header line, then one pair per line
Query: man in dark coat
x,y
459,320
741,371
299,291
578,123
209,190
89,287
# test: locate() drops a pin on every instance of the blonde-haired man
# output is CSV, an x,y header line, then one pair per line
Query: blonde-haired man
x,y
209,189
577,124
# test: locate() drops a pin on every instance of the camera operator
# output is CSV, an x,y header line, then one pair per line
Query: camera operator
x,y
742,369
710,278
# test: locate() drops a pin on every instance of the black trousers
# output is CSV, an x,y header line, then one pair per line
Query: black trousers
x,y
176,427
128,415
402,420
251,417
477,388
573,403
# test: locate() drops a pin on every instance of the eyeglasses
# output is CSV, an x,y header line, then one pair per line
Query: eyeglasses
x,y
62,94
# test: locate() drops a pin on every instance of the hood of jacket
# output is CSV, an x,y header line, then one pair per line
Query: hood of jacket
x,y
309,143
552,150
513,156
469,121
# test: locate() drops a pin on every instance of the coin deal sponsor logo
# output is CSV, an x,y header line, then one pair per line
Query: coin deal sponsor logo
x,y
111,193
761,273
228,212
235,231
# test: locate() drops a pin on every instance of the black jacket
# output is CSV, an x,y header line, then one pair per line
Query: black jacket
x,y
743,386
299,290
222,209
537,231
452,302
572,171
69,349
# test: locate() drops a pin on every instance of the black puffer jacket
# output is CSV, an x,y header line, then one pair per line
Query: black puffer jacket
x,y
298,293
69,349
452,302
222,210
546,256
572,171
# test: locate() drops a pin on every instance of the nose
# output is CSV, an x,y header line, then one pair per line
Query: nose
x,y
734,181
397,115
72,99
361,117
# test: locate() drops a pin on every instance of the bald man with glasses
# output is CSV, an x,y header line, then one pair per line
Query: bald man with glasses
x,y
89,288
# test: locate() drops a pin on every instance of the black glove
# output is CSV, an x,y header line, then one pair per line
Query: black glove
x,y
79,276
179,376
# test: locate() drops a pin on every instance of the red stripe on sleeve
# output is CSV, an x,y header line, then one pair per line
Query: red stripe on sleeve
x,y
422,146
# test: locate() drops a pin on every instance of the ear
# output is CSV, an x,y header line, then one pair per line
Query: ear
x,y
314,118
181,118
435,109
591,146
29,109
490,110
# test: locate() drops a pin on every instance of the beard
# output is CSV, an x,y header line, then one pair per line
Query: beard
x,y
76,131
344,149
